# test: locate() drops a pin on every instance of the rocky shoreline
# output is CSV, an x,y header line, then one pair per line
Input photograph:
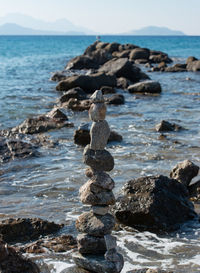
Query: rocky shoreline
x,y
106,67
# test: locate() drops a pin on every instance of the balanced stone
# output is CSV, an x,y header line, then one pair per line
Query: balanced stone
x,y
97,96
93,195
97,263
97,111
87,244
111,241
100,160
102,180
112,256
95,225
99,134
100,210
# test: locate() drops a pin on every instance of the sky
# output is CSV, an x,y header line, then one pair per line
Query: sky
x,y
113,16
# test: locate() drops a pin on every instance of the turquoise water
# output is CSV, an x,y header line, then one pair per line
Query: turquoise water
x,y
47,186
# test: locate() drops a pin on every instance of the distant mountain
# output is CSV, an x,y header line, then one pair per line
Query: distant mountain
x,y
61,25
153,30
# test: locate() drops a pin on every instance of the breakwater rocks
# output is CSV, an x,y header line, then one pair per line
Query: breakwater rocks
x,y
96,246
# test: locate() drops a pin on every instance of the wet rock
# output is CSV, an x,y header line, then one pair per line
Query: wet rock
x,y
149,270
194,190
184,172
162,66
89,83
11,149
95,225
87,244
145,87
111,241
102,180
56,244
93,195
193,66
191,59
154,203
12,262
57,114
76,93
122,54
139,53
82,62
176,68
123,83
77,105
165,126
107,90
100,160
25,229
158,57
141,61
58,76
116,99
99,134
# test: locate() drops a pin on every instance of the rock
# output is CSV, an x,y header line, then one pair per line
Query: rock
x,y
97,112
76,93
111,47
82,62
111,241
158,57
56,244
116,99
154,203
101,160
13,262
121,67
93,195
191,59
95,225
114,136
25,229
89,83
100,210
41,124
149,270
127,47
99,134
97,96
112,256
162,65
87,244
176,68
123,83
108,90
184,172
145,87
11,149
96,263
193,66
122,54
102,180
57,114
194,190
58,76
139,53
165,126
141,61
77,105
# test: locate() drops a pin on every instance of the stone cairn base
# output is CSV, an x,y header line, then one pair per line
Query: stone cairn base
x,y
96,246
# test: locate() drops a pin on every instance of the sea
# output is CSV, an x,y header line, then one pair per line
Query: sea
x,y
47,186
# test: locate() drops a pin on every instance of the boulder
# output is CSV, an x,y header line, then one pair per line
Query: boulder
x,y
111,47
107,90
158,57
87,244
141,61
191,59
26,229
58,76
77,105
184,172
154,203
95,225
12,262
123,83
193,66
122,54
116,99
152,87
139,53
176,68
57,114
76,93
165,126
82,62
127,47
89,83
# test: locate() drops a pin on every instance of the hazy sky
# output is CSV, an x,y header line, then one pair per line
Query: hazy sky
x,y
113,16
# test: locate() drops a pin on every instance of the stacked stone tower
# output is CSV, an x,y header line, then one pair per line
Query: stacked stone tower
x,y
96,246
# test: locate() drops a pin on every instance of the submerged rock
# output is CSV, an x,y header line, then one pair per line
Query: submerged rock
x,y
76,93
116,99
154,203
145,87
165,126
176,68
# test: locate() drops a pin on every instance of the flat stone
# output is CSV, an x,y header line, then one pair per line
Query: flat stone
x,y
89,244
93,195
100,210
97,111
96,263
100,160
112,256
95,225
99,134
97,96
111,241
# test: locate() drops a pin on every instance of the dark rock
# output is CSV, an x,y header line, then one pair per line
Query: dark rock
x,y
127,47
77,105
82,62
194,190
165,126
154,203
107,90
111,47
139,53
158,57
12,262
176,68
145,87
116,99
122,54
184,172
149,270
87,244
162,65
89,83
76,93
95,225
141,61
191,59
25,229
101,180
123,83
58,76
193,66
57,114
114,136
100,160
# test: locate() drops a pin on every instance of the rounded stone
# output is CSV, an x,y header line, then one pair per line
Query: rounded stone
x,y
100,210
95,225
99,134
102,180
100,160
89,244
97,111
